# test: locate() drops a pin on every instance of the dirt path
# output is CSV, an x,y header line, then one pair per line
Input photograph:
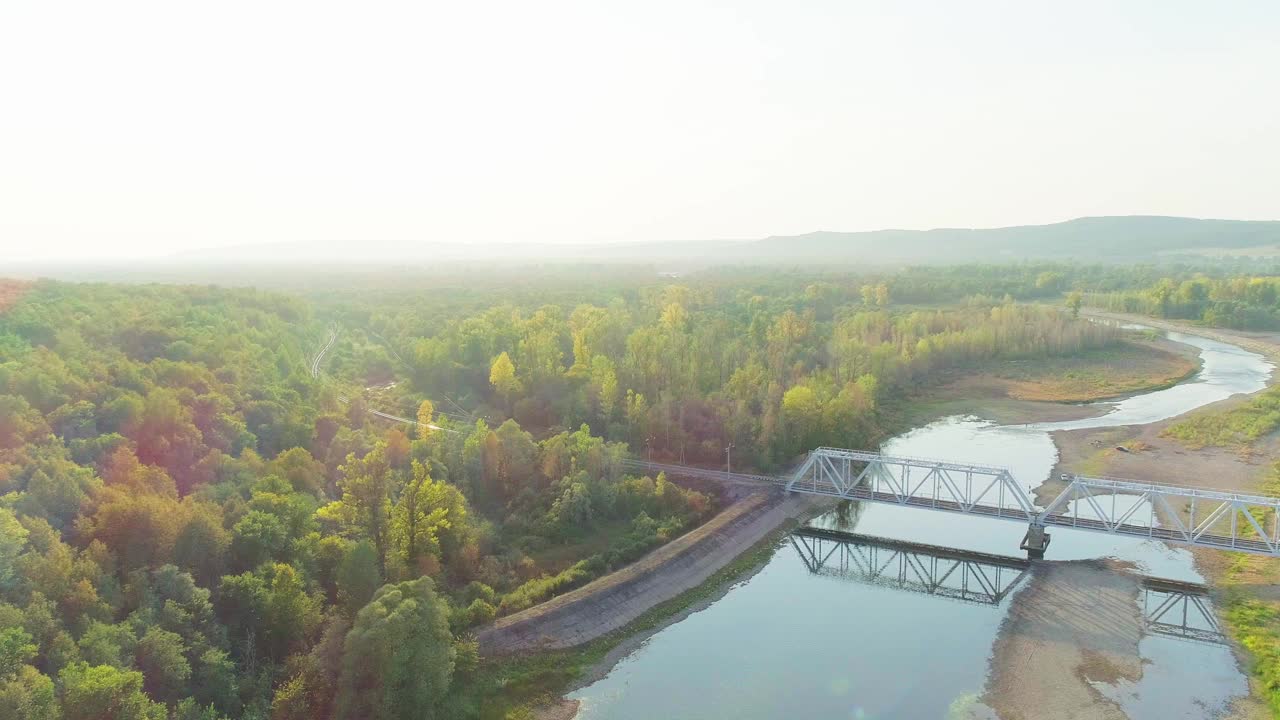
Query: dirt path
x,y
613,601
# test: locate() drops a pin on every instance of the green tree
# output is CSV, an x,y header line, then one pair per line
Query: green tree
x,y
189,709
28,695
882,295
426,511
259,537
802,411
16,650
106,644
98,692
605,380
57,492
358,576
309,692
202,545
398,658
242,607
366,499
302,471
162,660
13,538
1074,301
18,420
291,614
213,682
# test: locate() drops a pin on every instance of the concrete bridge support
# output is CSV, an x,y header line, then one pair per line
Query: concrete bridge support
x,y
1035,542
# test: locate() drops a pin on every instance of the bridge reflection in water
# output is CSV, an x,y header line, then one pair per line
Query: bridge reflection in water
x,y
1171,608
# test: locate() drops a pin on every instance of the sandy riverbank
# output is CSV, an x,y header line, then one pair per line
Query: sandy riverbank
x,y
1074,624
1149,456
1042,664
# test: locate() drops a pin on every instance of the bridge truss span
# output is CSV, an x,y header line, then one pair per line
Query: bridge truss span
x,y
1192,516
1229,521
938,485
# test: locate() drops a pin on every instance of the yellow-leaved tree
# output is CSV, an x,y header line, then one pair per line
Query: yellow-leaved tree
x,y
502,376
426,416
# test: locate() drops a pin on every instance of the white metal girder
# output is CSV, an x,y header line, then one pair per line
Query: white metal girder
x,y
968,489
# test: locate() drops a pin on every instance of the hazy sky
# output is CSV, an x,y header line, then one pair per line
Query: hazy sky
x,y
143,128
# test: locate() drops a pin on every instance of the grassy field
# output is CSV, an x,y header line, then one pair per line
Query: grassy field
x,y
1128,367
1255,623
1095,375
1251,608
1236,427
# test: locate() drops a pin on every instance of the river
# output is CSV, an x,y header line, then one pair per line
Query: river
x,y
792,643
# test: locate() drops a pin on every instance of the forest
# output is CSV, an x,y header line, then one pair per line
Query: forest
x,y
1239,302
202,517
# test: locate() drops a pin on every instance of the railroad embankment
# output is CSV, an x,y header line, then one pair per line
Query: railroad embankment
x,y
612,602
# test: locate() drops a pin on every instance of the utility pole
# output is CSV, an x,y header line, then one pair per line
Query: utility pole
x,y
728,456
648,444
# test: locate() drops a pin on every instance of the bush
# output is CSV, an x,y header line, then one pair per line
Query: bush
x,y
480,612
535,591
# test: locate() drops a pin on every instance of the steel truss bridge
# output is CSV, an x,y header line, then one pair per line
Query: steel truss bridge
x,y
1171,608
1190,516
1206,518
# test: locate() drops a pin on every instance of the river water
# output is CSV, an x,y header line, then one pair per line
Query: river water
x,y
792,643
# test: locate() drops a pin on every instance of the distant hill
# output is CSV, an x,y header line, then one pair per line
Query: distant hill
x,y
1118,238
1134,237
1127,239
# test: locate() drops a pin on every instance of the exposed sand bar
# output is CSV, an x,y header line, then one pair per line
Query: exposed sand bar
x,y
1073,624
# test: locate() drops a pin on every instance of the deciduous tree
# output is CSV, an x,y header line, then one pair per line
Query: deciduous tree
x,y
398,658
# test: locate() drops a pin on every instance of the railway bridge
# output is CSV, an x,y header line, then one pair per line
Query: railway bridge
x,y
1190,516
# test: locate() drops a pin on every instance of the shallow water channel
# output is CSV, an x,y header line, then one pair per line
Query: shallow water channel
x,y
794,642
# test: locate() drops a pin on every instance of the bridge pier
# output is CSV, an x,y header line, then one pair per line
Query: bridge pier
x,y
1035,542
